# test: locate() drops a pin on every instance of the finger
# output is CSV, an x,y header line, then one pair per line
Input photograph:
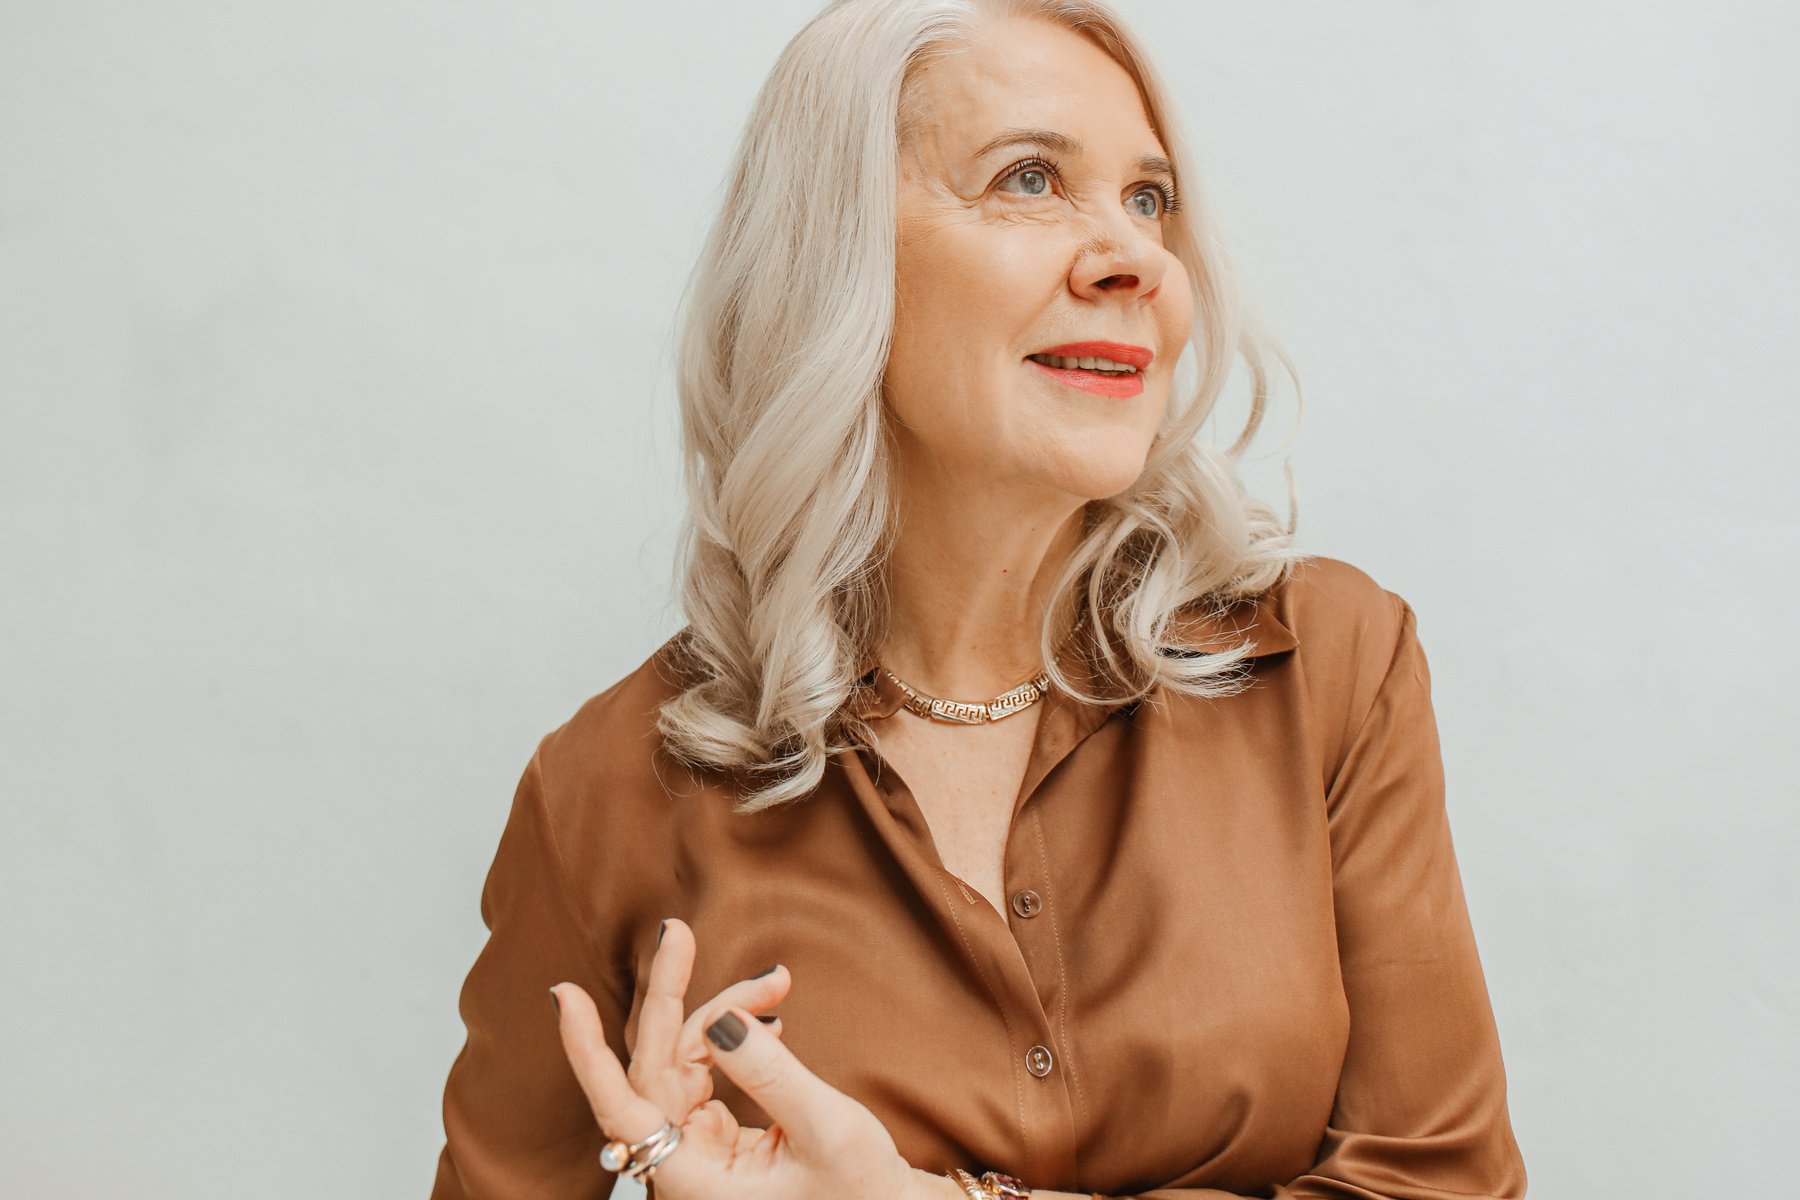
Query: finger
x,y
764,990
801,1103
725,1125
665,999
621,1112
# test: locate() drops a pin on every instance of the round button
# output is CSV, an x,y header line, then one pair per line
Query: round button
x,y
1038,1061
1027,903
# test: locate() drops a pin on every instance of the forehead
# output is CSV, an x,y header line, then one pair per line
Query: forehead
x,y
1021,73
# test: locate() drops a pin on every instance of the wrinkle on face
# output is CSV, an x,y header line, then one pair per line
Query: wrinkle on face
x,y
986,278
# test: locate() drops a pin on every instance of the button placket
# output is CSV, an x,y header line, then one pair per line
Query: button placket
x,y
998,950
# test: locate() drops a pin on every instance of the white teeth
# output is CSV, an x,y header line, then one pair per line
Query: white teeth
x,y
1084,364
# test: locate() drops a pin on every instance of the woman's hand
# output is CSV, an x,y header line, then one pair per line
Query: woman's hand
x,y
670,1065
822,1146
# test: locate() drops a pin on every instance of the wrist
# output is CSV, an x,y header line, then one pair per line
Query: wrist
x,y
923,1185
990,1185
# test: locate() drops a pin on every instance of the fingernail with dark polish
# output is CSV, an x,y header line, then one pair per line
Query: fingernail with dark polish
x,y
727,1033
766,971
767,1019
556,1000
660,930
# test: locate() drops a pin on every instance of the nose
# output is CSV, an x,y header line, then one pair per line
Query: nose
x,y
1118,262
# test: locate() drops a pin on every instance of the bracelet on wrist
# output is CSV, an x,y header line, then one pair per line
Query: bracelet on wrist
x,y
991,1186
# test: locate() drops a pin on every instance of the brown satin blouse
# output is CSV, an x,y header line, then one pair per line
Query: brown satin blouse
x,y
1235,959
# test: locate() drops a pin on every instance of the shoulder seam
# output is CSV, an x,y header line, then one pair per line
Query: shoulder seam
x,y
1406,616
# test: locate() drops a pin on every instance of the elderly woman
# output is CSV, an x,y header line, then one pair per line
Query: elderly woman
x,y
1035,820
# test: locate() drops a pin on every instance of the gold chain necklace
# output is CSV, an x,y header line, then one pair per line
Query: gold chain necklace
x,y
959,713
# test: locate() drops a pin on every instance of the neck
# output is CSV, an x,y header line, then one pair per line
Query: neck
x,y
969,580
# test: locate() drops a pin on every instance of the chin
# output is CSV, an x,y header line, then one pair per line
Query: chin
x,y
1094,478
1094,456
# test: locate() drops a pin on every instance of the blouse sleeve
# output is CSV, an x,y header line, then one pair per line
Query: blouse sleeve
x,y
517,1125
1420,1112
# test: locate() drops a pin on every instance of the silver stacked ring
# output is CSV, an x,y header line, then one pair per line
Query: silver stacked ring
x,y
640,1161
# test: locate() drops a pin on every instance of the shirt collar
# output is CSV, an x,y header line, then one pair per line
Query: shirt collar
x,y
1255,624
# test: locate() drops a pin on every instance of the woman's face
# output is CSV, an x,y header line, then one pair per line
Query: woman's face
x,y
1031,210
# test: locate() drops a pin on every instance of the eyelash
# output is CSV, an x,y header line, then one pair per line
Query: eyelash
x,y
1170,201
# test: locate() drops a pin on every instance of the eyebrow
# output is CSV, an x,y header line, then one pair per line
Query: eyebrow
x,y
1062,143
1047,139
1156,164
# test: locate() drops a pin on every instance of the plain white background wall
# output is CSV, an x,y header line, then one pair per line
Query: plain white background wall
x,y
337,466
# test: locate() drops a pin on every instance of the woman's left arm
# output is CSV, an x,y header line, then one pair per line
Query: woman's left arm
x,y
1420,1112
1421,1101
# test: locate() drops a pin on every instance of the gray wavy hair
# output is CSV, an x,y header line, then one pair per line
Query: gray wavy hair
x,y
786,335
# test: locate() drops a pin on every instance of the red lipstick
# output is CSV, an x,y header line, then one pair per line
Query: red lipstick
x,y
1116,387
1131,356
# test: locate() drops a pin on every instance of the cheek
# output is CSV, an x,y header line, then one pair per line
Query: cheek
x,y
968,292
1175,308
965,296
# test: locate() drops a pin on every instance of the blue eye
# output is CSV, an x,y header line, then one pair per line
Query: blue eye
x,y
1030,182
1145,203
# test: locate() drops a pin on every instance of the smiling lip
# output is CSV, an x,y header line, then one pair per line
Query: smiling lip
x,y
1131,356
1117,387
